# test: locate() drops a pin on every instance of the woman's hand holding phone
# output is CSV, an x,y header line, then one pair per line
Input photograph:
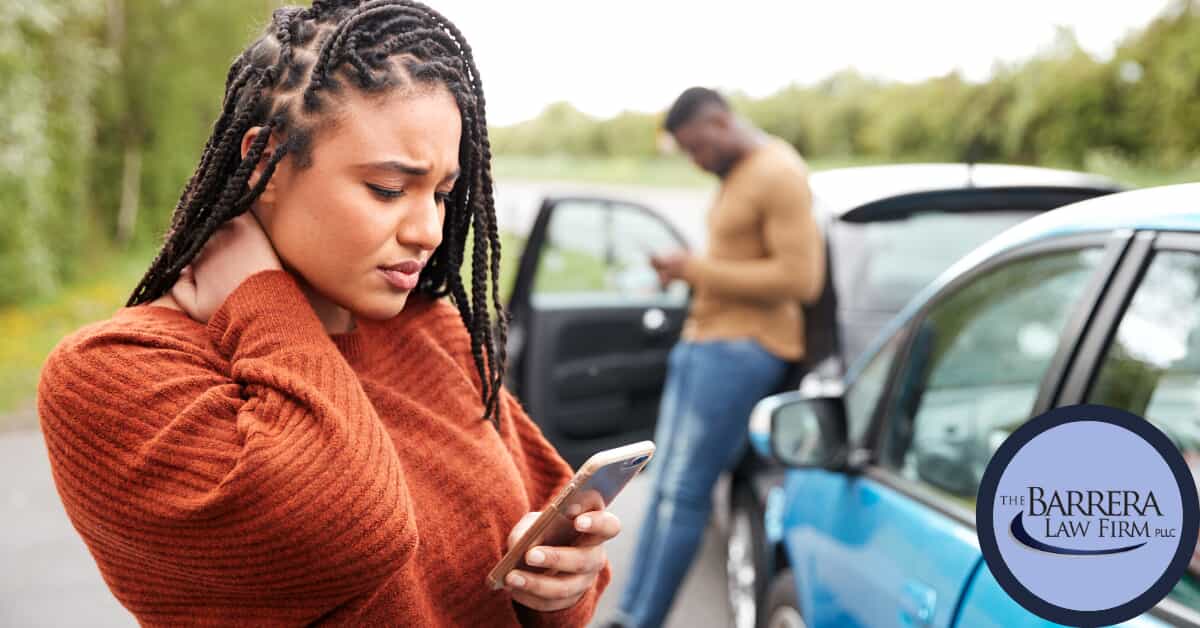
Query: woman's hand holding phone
x,y
570,571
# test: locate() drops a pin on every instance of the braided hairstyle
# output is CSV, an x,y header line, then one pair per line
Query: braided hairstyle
x,y
287,82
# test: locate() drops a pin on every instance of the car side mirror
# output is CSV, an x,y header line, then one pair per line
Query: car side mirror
x,y
801,431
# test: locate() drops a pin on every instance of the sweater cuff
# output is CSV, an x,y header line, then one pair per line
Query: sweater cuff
x,y
267,311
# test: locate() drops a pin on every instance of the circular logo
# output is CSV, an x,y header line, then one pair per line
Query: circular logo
x,y
1087,515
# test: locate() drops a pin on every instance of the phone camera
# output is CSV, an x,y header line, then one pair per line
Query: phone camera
x,y
636,461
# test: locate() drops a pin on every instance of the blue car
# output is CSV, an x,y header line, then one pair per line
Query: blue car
x,y
1097,302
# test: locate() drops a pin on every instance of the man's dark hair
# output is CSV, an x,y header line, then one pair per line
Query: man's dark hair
x,y
288,82
689,103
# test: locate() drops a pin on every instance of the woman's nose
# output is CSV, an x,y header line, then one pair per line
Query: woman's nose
x,y
422,227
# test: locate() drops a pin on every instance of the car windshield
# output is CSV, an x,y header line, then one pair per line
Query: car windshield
x,y
879,266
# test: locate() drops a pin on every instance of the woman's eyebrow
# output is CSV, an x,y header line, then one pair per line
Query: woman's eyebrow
x,y
409,169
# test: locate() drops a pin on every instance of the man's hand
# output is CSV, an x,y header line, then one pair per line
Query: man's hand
x,y
670,266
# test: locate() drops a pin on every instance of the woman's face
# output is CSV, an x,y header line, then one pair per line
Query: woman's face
x,y
358,224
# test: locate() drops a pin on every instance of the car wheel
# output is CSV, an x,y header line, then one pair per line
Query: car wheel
x,y
783,607
745,561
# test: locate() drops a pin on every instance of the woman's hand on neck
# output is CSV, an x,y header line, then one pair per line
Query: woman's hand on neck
x,y
335,319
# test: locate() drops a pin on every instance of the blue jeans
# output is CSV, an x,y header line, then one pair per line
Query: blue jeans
x,y
710,390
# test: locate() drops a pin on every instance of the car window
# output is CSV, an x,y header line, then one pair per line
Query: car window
x,y
975,365
1152,366
878,266
863,394
600,247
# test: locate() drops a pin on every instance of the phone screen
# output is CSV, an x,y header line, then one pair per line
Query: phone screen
x,y
611,478
597,492
594,487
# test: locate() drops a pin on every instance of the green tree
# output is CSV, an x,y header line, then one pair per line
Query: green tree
x,y
50,62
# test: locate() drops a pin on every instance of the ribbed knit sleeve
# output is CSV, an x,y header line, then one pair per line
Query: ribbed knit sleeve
x,y
256,475
546,472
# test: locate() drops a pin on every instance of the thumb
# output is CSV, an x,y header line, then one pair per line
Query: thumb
x,y
522,526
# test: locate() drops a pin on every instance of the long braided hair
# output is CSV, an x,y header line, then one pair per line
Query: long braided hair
x,y
287,82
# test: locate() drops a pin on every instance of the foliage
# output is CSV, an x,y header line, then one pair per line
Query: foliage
x,y
101,92
1063,108
50,62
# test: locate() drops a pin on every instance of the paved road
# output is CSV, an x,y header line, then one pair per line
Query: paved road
x,y
47,577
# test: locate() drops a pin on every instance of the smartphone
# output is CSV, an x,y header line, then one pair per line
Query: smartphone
x,y
594,487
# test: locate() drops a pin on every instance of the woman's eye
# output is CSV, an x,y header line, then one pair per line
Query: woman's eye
x,y
385,193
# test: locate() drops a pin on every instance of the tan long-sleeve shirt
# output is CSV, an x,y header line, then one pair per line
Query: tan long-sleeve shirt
x,y
765,255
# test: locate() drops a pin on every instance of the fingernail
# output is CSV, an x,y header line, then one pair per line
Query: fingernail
x,y
516,580
584,522
536,557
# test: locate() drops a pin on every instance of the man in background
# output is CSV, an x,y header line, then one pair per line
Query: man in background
x,y
765,258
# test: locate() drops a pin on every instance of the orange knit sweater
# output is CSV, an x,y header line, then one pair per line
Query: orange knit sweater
x,y
258,471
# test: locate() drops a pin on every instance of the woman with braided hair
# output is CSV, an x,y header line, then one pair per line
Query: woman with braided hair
x,y
299,417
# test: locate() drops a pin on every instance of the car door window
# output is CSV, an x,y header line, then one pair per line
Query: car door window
x,y
596,247
863,395
1152,367
975,365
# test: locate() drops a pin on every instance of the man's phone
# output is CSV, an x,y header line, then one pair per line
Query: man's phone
x,y
594,487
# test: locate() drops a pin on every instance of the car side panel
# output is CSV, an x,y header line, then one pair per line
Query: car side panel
x,y
862,552
988,606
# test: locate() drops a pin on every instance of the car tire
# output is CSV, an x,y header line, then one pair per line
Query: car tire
x,y
746,568
783,605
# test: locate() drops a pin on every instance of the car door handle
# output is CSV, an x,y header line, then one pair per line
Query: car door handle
x,y
654,321
917,604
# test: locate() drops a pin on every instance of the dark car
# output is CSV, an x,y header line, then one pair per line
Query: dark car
x,y
1096,303
591,329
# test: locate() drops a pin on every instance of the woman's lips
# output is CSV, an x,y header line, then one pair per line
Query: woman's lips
x,y
400,280
408,267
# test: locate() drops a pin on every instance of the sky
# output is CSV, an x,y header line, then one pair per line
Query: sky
x,y
605,57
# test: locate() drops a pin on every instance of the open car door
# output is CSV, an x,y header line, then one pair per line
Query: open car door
x,y
591,328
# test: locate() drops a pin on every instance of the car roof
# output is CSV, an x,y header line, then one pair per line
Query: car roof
x,y
841,190
1166,208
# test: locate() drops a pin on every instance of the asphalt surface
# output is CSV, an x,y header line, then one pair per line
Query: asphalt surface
x,y
47,577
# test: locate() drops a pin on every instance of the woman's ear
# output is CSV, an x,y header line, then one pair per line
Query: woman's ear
x,y
268,193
